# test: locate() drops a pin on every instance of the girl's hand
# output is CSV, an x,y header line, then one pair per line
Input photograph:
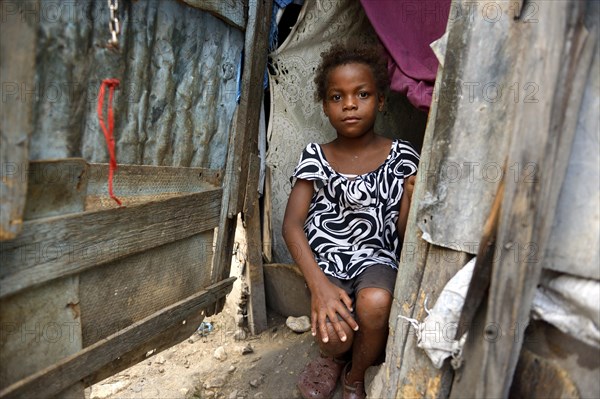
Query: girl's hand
x,y
327,302
409,186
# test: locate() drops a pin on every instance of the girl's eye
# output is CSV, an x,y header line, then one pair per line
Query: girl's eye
x,y
336,97
363,94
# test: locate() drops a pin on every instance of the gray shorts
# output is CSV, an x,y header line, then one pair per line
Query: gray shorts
x,y
376,276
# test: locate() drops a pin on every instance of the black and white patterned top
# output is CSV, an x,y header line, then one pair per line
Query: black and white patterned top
x,y
351,222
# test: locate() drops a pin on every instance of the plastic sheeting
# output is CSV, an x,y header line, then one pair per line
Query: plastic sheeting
x,y
435,335
571,304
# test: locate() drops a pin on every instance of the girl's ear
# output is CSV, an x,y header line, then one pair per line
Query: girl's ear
x,y
380,101
325,109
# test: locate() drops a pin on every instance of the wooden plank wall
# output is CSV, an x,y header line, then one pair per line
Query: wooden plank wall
x,y
101,253
550,54
52,248
542,134
54,379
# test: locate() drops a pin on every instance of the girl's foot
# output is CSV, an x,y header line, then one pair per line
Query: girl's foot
x,y
319,378
355,390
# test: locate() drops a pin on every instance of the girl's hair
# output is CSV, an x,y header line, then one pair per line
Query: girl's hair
x,y
349,53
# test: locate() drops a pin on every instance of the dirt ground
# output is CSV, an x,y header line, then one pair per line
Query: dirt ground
x,y
191,370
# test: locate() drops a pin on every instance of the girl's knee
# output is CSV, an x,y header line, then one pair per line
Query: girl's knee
x,y
335,346
373,307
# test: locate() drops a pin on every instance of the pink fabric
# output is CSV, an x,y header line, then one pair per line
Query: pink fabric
x,y
406,28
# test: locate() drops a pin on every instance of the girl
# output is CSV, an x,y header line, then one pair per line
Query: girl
x,y
345,220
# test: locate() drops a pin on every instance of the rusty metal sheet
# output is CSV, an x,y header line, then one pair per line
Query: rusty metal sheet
x,y
177,67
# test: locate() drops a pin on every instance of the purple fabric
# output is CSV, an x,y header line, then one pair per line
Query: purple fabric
x,y
406,28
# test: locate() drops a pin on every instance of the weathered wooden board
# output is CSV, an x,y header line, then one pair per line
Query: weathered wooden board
x,y
536,377
267,225
232,12
60,246
580,361
248,115
542,134
244,133
39,327
54,379
118,294
18,39
56,188
474,96
411,268
257,310
416,376
164,340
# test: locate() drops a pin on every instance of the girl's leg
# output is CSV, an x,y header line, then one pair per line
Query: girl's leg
x,y
372,313
320,377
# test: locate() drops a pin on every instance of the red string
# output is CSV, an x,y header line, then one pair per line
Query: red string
x,y
108,133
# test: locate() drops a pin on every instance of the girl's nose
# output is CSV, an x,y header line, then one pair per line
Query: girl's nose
x,y
349,103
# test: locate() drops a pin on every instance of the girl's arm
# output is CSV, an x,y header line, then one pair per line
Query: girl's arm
x,y
327,300
409,185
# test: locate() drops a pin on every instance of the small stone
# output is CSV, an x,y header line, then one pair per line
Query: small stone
x,y
258,381
256,359
216,382
209,394
184,391
137,388
232,368
240,335
239,319
298,324
220,354
247,349
233,394
105,391
159,359
259,395
161,370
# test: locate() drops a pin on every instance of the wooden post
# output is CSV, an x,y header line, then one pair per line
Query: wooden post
x,y
244,135
555,53
257,310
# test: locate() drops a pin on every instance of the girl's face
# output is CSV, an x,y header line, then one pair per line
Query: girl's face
x,y
351,100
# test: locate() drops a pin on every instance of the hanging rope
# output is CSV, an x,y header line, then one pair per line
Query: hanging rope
x,y
112,84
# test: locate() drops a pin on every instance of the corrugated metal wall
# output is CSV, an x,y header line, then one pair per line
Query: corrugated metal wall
x,y
177,66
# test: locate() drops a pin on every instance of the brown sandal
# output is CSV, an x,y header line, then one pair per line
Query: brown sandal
x,y
319,378
356,390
